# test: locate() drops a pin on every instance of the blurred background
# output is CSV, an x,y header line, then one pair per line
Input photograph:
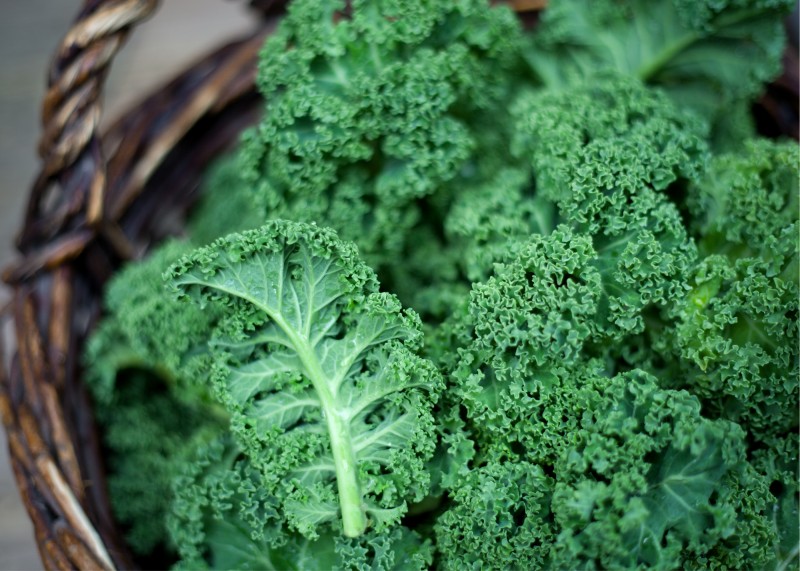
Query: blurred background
x,y
30,30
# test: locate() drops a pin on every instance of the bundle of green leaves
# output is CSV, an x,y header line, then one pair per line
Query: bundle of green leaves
x,y
473,297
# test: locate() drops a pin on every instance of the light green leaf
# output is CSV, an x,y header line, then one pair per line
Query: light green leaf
x,y
319,370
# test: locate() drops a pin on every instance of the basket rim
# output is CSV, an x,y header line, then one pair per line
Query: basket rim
x,y
45,411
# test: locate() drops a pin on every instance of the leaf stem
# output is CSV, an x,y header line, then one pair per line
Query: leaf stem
x,y
647,71
651,68
354,518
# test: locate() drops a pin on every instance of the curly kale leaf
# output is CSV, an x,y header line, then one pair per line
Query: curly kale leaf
x,y
765,529
612,142
146,434
737,336
736,332
377,115
642,484
486,221
561,299
224,518
147,328
221,516
633,473
746,199
499,519
554,305
614,473
147,369
604,160
777,465
372,106
709,55
319,372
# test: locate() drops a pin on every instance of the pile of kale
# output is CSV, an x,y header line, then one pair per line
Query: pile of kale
x,y
473,297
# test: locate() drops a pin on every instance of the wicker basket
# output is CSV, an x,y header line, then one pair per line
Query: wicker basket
x,y
100,200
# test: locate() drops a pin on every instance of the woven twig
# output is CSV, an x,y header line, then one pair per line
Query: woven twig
x,y
70,146
56,229
85,214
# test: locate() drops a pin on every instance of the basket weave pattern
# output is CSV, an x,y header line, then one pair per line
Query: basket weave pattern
x,y
97,201
100,200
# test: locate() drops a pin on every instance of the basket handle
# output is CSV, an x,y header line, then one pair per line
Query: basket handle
x,y
67,205
68,193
